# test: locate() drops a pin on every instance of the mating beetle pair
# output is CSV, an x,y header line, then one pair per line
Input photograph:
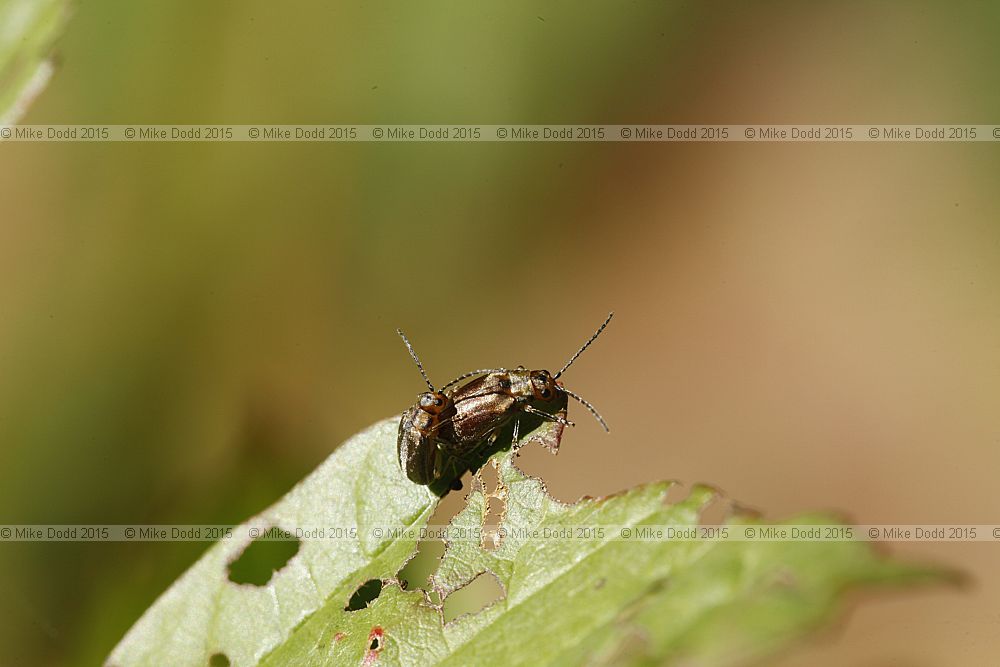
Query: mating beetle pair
x,y
449,426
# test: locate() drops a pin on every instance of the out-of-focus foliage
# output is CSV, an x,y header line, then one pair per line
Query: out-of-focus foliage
x,y
27,30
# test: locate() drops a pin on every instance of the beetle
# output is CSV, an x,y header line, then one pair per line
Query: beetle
x,y
417,441
486,404
446,427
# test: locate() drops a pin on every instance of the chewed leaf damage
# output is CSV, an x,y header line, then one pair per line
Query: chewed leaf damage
x,y
605,600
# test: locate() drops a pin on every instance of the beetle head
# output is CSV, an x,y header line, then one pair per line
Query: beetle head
x,y
433,402
543,386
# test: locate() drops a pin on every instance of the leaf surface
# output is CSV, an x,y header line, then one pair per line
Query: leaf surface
x,y
596,599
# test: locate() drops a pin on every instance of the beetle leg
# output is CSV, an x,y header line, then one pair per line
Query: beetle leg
x,y
545,415
517,429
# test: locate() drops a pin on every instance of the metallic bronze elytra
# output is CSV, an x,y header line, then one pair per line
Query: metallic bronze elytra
x,y
417,442
488,403
449,426
417,439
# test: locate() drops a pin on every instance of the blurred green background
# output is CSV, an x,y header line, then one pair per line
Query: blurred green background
x,y
188,329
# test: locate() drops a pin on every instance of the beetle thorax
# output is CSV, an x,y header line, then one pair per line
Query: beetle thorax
x,y
520,384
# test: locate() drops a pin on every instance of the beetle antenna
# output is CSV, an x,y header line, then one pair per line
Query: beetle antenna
x,y
481,371
585,346
590,407
415,358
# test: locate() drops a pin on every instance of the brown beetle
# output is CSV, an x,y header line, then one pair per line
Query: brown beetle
x,y
443,432
488,403
417,442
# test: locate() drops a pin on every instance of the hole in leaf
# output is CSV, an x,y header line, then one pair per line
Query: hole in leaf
x,y
264,556
495,507
491,523
219,660
490,478
366,593
434,597
417,572
478,594
452,504
376,640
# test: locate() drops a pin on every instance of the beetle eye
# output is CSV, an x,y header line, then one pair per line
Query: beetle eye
x,y
437,401
546,393
504,383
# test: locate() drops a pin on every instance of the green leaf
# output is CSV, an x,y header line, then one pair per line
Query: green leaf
x,y
27,31
358,487
565,601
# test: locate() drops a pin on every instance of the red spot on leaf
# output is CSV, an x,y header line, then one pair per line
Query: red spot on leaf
x,y
376,642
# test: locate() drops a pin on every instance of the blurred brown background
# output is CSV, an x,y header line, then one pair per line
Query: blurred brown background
x,y
188,329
